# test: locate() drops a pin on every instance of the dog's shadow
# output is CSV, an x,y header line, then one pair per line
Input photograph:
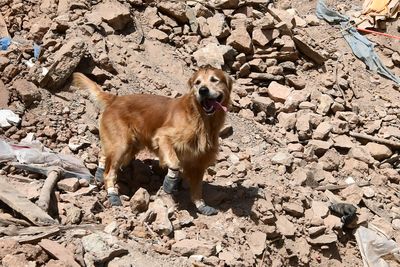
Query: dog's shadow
x,y
148,175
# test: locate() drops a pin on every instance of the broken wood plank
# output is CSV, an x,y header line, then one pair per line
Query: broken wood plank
x,y
339,186
14,199
30,235
375,139
59,252
47,189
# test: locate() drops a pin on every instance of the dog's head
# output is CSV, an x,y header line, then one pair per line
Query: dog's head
x,y
212,88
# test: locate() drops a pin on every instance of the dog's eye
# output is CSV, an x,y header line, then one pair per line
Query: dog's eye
x,y
213,79
197,82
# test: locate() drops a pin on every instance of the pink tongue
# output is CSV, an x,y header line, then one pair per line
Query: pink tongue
x,y
217,105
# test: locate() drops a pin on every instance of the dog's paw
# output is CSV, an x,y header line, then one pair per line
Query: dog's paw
x,y
207,210
114,199
99,175
170,185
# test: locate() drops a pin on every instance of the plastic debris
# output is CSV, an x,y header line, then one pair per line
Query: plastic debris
x,y
360,45
36,51
375,247
8,118
5,43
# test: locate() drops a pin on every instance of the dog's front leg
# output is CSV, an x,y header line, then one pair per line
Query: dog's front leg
x,y
169,158
195,177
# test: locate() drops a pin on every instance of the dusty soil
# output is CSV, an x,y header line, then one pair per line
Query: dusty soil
x,y
273,160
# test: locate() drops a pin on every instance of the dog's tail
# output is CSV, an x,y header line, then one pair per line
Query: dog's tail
x,y
81,81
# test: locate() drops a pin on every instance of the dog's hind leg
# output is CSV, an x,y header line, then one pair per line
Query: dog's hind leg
x,y
119,156
194,174
99,175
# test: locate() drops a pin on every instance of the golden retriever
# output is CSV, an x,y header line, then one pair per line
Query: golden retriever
x,y
183,132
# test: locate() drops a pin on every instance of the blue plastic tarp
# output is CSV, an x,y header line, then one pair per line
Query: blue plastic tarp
x,y
360,45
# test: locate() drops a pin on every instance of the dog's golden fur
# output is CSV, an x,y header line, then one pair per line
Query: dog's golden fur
x,y
179,131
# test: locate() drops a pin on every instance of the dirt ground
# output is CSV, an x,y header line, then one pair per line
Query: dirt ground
x,y
282,159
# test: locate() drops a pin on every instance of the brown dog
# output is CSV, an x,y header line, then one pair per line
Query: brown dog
x,y
183,132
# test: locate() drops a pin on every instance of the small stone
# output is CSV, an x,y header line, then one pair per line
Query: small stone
x,y
68,184
140,201
179,235
312,20
396,224
256,241
263,37
240,40
316,230
368,192
293,209
322,130
265,104
323,239
333,222
296,82
282,158
278,92
176,10
28,92
343,141
214,55
112,227
158,35
378,151
287,120
294,99
188,247
74,215
218,26
325,103
284,226
114,13
362,154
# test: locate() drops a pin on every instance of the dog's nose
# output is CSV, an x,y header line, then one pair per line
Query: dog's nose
x,y
203,91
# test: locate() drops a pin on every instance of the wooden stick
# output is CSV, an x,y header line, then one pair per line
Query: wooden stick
x,y
47,189
338,187
384,141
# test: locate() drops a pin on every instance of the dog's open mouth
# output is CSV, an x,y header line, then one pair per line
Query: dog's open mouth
x,y
210,105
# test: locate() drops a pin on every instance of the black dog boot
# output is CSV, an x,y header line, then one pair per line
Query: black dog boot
x,y
170,185
99,175
205,209
113,197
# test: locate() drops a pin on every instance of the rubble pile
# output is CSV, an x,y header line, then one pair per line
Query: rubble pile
x,y
309,132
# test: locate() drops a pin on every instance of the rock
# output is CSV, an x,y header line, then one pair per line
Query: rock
x,y
40,27
256,241
287,120
94,243
333,222
188,247
316,230
361,153
265,104
162,224
339,126
323,239
214,54
114,13
16,260
68,184
320,147
331,160
378,151
262,37
307,50
282,158
179,235
226,4
284,16
218,26
240,40
27,91
112,227
175,10
265,77
294,99
284,226
3,27
158,35
319,209
384,227
352,194
343,141
296,82
325,103
368,192
74,215
303,125
293,209
152,17
322,130
312,20
140,201
396,224
278,92
66,59
75,143
8,118
266,22
396,59
4,61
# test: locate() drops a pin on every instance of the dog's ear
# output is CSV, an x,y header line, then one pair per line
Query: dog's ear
x,y
192,79
229,81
